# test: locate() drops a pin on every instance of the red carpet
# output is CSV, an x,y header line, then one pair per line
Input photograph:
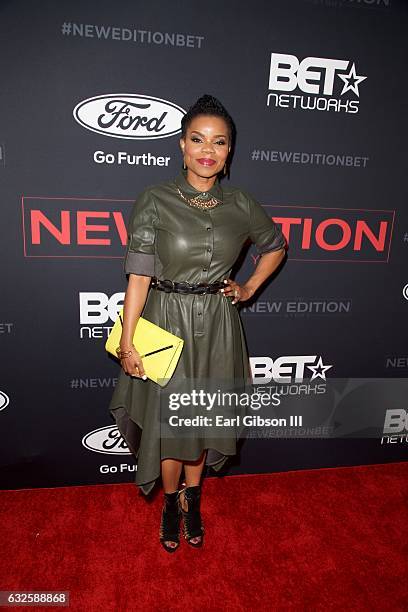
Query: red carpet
x,y
330,539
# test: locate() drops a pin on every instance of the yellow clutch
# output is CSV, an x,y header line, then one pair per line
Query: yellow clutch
x,y
160,350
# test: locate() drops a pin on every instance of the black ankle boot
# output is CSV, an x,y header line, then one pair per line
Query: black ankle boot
x,y
192,523
170,521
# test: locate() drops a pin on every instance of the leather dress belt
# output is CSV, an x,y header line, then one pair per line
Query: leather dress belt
x,y
182,287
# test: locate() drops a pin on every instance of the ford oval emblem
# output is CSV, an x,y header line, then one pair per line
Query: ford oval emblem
x,y
106,440
129,116
4,400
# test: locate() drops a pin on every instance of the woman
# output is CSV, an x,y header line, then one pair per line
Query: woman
x,y
189,232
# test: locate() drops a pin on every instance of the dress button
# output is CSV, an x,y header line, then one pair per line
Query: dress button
x,y
209,250
204,269
204,193
209,228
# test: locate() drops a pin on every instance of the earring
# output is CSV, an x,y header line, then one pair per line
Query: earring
x,y
184,164
225,168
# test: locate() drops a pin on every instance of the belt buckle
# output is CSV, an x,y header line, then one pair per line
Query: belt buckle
x,y
206,287
165,284
183,287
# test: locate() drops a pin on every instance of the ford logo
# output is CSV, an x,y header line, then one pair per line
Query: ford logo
x,y
106,440
4,400
129,116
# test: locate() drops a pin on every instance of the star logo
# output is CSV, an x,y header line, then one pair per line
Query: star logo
x,y
319,369
351,81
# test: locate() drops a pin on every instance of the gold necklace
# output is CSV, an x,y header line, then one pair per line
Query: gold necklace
x,y
198,202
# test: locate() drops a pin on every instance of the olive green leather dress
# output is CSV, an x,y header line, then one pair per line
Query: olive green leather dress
x,y
170,239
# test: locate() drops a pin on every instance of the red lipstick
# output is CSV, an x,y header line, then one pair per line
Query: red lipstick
x,y
205,161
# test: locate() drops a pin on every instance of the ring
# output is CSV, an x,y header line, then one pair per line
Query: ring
x,y
236,292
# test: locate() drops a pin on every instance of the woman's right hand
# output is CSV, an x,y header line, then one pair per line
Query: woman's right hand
x,y
133,364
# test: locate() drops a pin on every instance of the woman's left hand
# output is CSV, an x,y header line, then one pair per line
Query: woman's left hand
x,y
239,292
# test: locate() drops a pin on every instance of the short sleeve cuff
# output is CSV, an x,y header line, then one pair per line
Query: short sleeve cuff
x,y
276,245
139,263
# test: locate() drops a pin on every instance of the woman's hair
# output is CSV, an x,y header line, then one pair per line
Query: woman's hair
x,y
207,105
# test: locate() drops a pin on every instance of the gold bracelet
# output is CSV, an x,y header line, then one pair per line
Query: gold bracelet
x,y
123,354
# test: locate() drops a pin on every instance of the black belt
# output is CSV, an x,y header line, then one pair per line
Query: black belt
x,y
200,288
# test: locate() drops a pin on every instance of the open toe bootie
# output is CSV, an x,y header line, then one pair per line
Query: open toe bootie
x,y
192,524
170,522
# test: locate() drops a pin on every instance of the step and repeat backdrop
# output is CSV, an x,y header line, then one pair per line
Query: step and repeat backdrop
x,y
91,101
